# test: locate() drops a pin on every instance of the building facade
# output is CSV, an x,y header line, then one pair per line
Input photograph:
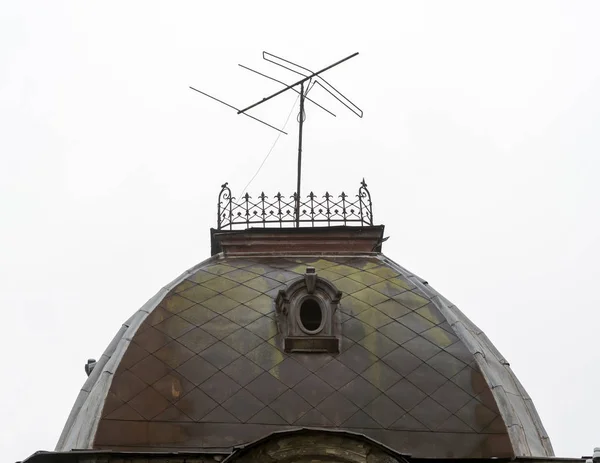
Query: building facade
x,y
300,344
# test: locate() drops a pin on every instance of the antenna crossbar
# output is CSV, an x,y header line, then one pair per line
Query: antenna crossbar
x,y
306,84
324,85
285,85
301,81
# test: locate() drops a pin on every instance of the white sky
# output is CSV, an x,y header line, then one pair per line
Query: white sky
x,y
479,144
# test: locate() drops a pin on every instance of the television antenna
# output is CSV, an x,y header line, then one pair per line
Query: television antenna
x,y
302,87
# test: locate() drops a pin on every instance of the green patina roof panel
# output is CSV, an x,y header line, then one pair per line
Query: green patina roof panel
x,y
207,354
203,367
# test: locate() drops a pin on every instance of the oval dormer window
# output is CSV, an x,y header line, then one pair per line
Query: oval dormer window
x,y
307,314
311,315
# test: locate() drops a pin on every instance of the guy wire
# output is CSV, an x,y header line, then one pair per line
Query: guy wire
x,y
272,147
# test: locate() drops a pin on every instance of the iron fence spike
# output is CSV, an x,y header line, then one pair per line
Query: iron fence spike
x,y
312,211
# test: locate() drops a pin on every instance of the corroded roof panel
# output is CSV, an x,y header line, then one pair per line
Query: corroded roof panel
x,y
201,366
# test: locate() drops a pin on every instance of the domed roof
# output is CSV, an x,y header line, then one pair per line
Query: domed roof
x,y
202,365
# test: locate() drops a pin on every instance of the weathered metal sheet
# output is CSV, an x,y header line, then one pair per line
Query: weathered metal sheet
x,y
203,365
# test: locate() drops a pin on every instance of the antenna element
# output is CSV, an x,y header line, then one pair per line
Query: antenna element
x,y
313,78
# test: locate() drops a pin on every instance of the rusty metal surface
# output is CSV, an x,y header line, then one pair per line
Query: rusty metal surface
x,y
206,367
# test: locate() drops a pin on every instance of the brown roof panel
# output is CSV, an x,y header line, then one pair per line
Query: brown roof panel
x,y
208,368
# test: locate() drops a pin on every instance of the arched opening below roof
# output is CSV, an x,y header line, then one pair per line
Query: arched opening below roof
x,y
316,446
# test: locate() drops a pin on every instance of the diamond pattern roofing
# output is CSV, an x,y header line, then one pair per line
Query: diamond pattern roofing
x,y
201,365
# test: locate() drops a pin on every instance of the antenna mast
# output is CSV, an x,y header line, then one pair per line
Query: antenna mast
x,y
300,124
310,79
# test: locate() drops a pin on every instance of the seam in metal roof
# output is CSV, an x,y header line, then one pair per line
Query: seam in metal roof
x,y
515,405
82,423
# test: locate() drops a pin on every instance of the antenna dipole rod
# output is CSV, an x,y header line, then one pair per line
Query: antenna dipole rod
x,y
300,123
227,104
301,81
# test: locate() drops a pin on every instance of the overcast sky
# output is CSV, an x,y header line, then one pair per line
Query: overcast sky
x,y
479,143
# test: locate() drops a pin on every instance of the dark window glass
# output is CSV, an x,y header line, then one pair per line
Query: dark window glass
x,y
310,315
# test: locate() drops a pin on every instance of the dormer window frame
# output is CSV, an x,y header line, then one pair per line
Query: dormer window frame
x,y
297,337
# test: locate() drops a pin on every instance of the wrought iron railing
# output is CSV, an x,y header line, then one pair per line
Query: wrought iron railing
x,y
327,210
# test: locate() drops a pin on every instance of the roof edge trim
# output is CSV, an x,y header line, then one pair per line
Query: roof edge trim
x,y
517,410
80,429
